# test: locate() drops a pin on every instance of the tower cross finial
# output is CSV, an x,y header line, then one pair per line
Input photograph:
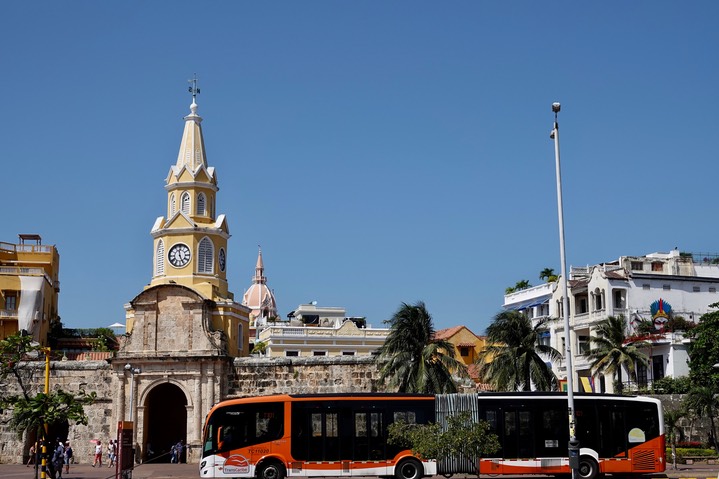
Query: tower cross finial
x,y
193,88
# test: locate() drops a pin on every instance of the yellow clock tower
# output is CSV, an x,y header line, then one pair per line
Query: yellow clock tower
x,y
190,242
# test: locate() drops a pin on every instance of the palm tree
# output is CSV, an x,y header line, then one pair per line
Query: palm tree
x,y
674,432
515,360
547,274
520,285
412,360
703,403
612,352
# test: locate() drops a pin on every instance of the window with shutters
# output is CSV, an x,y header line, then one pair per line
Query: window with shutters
x,y
201,202
185,203
205,256
160,258
173,204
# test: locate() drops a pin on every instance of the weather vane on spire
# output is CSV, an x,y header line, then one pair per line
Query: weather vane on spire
x,y
193,87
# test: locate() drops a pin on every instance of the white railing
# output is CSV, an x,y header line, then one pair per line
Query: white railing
x,y
314,332
26,248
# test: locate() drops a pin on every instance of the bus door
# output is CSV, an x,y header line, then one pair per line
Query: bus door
x,y
324,439
518,431
368,442
612,440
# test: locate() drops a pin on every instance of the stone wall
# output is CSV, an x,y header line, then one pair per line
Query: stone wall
x,y
298,375
248,377
69,376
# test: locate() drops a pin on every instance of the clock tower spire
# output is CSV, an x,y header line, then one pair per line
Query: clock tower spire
x,y
190,242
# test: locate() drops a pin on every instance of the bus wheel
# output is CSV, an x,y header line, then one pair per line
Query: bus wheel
x,y
409,469
271,470
588,468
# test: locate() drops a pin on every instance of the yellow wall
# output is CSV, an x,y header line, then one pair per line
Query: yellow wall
x,y
465,336
28,260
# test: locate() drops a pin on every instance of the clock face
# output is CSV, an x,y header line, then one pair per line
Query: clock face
x,y
179,255
222,260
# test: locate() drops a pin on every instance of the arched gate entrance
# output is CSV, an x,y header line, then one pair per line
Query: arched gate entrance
x,y
165,422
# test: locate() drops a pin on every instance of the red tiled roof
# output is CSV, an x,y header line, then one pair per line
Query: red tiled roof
x,y
447,332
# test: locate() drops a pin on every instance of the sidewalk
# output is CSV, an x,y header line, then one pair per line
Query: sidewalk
x,y
86,471
696,471
191,471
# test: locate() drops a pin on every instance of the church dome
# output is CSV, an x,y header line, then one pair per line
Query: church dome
x,y
259,297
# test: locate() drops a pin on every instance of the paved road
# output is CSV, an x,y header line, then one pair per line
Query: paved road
x,y
190,471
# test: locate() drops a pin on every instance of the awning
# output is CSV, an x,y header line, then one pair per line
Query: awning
x,y
527,304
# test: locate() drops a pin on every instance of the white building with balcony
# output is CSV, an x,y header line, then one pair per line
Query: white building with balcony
x,y
320,331
655,288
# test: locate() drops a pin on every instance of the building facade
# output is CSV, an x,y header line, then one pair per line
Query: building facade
x,y
320,331
651,289
29,287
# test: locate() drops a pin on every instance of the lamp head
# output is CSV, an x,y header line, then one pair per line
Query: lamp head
x,y
128,366
556,107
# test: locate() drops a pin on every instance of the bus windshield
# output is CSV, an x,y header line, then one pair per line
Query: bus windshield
x,y
242,425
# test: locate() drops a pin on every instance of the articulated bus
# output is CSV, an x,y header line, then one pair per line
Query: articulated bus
x,y
273,437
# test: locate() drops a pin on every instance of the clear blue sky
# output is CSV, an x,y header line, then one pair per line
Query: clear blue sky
x,y
380,152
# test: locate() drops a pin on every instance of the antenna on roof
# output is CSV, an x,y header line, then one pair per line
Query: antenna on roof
x,y
193,88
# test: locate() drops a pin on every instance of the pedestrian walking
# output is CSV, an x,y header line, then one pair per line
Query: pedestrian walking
x,y
57,461
180,447
68,456
33,452
98,454
112,452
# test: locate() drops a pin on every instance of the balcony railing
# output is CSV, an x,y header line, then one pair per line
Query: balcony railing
x,y
324,332
26,248
26,271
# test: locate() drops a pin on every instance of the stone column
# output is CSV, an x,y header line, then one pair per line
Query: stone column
x,y
120,412
196,439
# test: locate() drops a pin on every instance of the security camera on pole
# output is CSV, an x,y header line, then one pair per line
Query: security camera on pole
x,y
573,442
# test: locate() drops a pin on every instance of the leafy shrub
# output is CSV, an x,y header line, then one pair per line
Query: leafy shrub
x,y
683,452
669,385
690,444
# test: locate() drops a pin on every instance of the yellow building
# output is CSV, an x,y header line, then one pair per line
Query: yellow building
x,y
29,287
467,345
190,248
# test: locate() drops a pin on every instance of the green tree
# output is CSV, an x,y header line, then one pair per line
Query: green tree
x,y
703,402
674,432
32,412
514,359
520,285
547,274
704,350
670,385
611,351
105,340
463,438
412,360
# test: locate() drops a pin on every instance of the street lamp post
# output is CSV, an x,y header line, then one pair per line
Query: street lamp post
x,y
573,442
132,371
43,473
